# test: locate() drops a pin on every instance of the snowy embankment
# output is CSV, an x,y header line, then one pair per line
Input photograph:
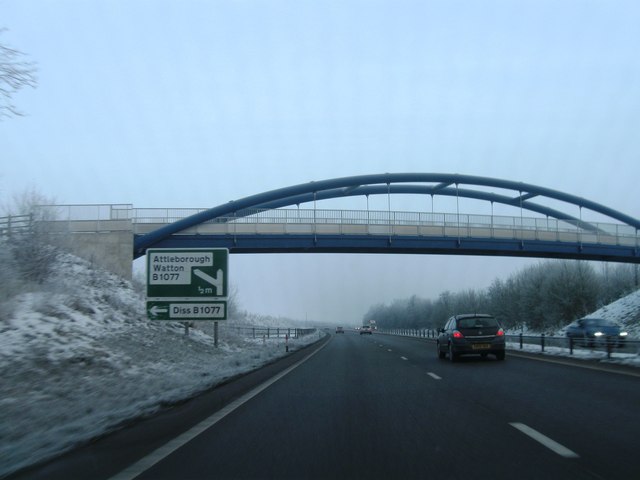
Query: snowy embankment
x,y
78,358
624,311
618,356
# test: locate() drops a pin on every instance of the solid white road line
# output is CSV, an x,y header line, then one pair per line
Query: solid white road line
x,y
434,376
150,460
544,440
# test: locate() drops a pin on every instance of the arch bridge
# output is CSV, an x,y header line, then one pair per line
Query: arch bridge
x,y
262,223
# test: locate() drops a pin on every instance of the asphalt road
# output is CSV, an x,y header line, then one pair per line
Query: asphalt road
x,y
386,407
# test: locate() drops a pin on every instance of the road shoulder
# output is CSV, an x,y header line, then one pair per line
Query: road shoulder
x,y
592,364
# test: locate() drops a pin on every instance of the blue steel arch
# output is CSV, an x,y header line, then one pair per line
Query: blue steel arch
x,y
396,183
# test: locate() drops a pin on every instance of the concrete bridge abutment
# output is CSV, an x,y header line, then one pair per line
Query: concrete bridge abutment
x,y
105,243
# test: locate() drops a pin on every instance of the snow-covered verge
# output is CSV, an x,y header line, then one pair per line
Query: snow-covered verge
x,y
624,311
78,358
628,356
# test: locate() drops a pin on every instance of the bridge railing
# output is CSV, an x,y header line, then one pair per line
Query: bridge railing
x,y
310,221
383,217
91,218
101,217
89,212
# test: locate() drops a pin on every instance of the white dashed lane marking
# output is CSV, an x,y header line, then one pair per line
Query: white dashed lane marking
x,y
544,440
434,376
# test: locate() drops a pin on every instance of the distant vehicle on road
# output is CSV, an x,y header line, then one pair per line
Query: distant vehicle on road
x,y
471,334
339,330
596,331
366,329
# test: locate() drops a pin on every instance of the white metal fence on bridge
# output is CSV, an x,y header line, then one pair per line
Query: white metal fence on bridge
x,y
328,221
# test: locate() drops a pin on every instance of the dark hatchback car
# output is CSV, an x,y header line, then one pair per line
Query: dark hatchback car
x,y
476,333
596,331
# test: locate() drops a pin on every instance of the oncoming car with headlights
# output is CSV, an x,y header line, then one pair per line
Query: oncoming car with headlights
x,y
596,331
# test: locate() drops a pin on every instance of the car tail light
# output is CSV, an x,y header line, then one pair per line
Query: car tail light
x,y
500,333
457,334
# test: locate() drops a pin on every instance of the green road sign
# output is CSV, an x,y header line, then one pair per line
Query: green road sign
x,y
187,273
187,283
176,310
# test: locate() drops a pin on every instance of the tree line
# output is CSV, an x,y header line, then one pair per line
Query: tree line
x,y
541,297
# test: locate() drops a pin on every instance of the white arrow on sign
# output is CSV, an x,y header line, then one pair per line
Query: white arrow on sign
x,y
216,282
155,310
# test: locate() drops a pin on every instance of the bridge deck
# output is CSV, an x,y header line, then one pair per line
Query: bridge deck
x,y
282,230
415,224
397,230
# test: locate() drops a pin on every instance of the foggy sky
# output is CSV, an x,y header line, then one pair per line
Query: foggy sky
x,y
193,104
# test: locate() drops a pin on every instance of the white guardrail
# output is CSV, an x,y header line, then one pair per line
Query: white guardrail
x,y
629,346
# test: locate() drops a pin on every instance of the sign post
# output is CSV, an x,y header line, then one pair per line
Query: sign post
x,y
187,284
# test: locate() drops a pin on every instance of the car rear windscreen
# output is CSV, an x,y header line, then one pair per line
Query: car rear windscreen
x,y
477,322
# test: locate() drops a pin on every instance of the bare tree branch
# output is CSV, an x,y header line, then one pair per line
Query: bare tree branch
x,y
15,74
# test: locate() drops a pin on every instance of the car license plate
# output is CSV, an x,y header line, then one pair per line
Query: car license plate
x,y
481,346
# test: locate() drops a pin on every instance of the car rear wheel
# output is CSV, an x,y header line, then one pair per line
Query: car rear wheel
x,y
500,355
441,354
